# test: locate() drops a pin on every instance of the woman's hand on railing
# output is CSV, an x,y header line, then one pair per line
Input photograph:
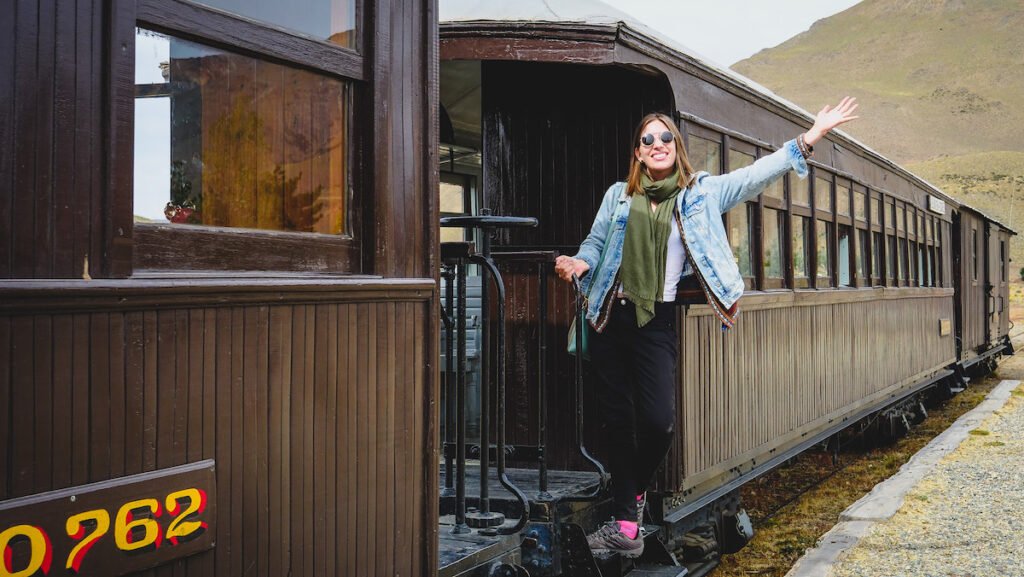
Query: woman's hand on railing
x,y
566,266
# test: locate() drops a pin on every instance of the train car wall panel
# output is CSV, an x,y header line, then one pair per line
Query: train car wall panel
x,y
51,127
785,371
316,412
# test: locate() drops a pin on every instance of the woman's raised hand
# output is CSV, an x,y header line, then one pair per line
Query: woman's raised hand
x,y
566,266
829,118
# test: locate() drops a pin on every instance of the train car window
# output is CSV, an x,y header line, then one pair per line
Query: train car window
x,y
776,190
860,205
876,210
741,221
244,143
456,193
904,262
1002,261
823,193
922,264
227,140
824,261
330,20
800,191
863,260
893,270
892,222
704,154
878,253
843,254
974,252
774,228
900,217
843,197
801,251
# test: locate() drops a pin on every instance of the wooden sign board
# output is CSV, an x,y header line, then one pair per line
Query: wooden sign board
x,y
112,527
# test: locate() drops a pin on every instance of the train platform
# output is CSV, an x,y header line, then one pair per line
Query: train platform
x,y
956,508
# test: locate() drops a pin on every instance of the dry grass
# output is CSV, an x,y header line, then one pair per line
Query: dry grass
x,y
784,537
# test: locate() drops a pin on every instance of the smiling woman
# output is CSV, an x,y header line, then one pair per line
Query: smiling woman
x,y
653,234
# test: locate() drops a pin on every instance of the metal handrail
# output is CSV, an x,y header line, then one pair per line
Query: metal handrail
x,y
581,325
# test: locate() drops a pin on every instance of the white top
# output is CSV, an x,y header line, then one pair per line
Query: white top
x,y
675,259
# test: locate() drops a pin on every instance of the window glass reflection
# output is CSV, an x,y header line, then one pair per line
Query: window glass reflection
x,y
824,256
801,248
740,219
705,155
228,140
822,194
773,248
331,20
843,252
800,188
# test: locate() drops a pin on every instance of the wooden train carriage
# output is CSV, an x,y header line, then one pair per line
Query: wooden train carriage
x,y
848,272
982,272
218,305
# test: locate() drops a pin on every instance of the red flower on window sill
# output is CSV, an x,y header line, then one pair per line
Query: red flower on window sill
x,y
183,213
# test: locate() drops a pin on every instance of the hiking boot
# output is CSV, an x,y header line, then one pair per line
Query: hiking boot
x,y
610,539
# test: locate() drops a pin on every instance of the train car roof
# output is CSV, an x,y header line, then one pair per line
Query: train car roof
x,y
596,15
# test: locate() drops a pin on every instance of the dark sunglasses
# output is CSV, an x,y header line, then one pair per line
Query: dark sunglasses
x,y
648,139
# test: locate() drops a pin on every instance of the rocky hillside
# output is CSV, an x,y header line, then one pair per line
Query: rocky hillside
x,y
941,84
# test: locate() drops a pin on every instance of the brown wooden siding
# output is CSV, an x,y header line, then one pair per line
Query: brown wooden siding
x,y
794,363
315,401
51,129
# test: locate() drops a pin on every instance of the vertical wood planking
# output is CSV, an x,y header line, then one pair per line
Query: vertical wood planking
x,y
316,415
750,389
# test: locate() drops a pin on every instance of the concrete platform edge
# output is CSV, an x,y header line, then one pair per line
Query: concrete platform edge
x,y
887,497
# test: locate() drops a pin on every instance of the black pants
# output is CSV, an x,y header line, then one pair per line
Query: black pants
x,y
636,373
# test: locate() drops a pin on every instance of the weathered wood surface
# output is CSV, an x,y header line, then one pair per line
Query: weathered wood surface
x,y
318,414
786,371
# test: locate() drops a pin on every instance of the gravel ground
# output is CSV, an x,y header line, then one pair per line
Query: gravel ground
x,y
964,519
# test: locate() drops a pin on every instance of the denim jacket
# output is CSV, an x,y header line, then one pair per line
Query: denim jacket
x,y
698,213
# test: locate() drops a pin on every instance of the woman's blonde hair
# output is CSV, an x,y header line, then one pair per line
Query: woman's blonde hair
x,y
636,167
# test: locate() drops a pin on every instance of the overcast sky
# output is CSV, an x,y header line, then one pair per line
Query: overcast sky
x,y
727,31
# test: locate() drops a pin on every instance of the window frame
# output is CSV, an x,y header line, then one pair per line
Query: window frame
x,y
781,206
159,246
752,208
892,260
828,217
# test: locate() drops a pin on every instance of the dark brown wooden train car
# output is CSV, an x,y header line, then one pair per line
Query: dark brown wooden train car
x,y
982,276
850,289
218,307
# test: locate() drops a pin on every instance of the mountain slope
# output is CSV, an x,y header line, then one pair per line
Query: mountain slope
x,y
934,76
941,86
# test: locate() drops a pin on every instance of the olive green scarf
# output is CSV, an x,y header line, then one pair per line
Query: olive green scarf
x,y
646,244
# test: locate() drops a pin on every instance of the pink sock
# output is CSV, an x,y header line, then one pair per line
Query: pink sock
x,y
629,528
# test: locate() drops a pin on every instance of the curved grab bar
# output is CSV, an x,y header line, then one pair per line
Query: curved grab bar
x,y
499,284
581,326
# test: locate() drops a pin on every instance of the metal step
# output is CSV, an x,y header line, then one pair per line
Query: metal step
x,y
658,571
